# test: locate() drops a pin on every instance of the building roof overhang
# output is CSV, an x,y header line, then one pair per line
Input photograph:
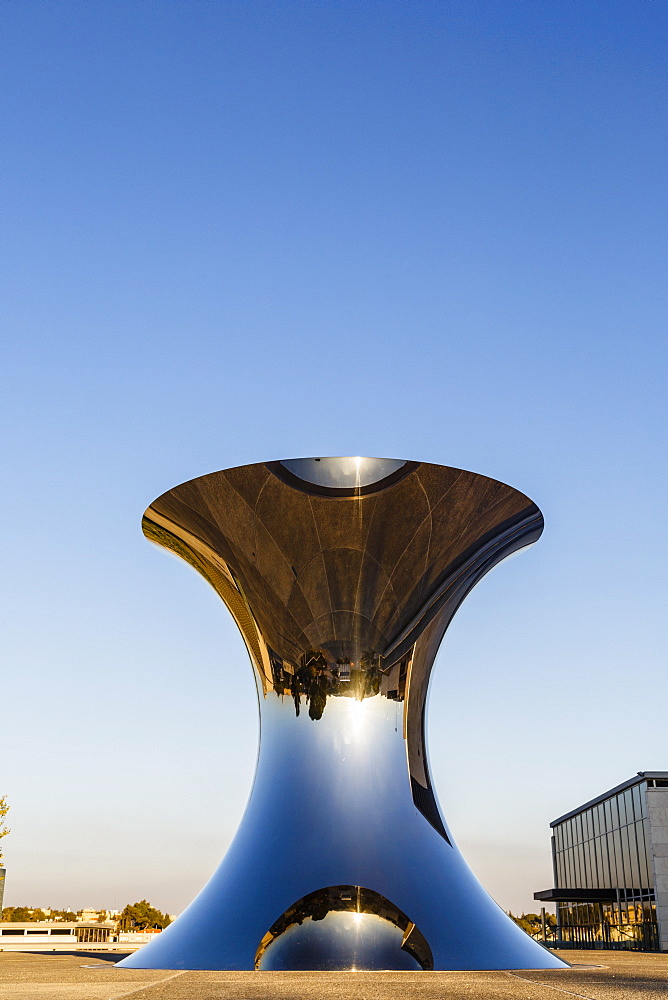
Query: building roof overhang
x,y
635,780
576,895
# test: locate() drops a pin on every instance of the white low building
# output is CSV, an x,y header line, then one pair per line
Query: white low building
x,y
45,935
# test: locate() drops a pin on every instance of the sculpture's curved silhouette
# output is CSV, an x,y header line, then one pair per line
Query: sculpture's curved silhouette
x,y
342,575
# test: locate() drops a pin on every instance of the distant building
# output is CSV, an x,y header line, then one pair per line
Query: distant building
x,y
610,859
88,914
49,935
70,935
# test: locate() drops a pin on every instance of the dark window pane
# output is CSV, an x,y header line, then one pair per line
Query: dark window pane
x,y
622,809
575,868
643,799
605,864
617,854
626,855
650,870
596,818
635,859
642,855
628,802
590,862
582,870
610,849
584,867
598,873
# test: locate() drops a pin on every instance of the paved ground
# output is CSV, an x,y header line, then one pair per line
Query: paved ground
x,y
81,976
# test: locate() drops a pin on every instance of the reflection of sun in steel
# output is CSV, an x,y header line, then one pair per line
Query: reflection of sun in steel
x,y
357,714
356,722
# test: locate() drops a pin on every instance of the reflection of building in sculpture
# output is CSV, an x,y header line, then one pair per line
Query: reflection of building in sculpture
x,y
342,576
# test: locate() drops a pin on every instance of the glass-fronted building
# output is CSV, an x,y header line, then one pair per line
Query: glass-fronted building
x,y
610,860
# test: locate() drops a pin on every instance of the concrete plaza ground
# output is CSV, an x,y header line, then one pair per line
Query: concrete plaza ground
x,y
91,976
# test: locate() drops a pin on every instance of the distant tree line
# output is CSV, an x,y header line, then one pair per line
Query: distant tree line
x,y
135,917
26,913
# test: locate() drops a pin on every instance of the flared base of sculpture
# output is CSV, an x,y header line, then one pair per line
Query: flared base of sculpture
x,y
334,866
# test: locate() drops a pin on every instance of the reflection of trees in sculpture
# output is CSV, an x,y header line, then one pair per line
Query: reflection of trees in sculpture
x,y
350,899
318,678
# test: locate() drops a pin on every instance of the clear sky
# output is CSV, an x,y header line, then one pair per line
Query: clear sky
x,y
241,231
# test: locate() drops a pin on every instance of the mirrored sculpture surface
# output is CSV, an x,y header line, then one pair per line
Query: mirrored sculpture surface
x,y
342,575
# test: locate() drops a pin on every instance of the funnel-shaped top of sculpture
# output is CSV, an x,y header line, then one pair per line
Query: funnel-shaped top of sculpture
x,y
350,559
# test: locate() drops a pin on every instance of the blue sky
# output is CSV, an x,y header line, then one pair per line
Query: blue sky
x,y
242,231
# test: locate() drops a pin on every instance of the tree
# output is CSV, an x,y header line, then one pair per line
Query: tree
x,y
4,809
16,913
140,916
24,913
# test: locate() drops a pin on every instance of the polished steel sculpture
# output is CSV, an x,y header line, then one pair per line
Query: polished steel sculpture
x,y
342,575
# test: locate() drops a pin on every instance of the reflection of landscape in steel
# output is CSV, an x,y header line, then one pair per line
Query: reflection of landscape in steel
x,y
318,678
343,926
345,590
343,575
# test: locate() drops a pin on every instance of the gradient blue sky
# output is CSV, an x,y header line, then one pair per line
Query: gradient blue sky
x,y
240,231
